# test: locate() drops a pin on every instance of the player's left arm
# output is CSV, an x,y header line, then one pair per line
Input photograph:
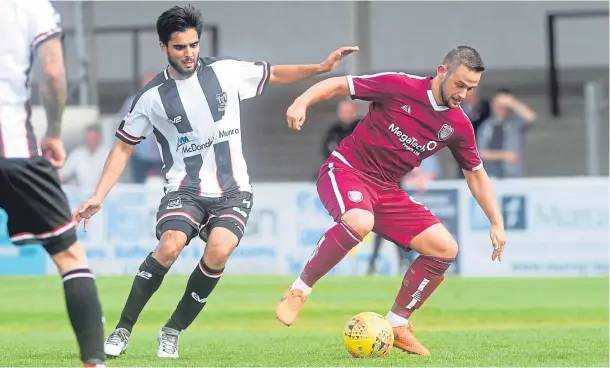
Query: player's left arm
x,y
252,78
285,74
482,190
465,152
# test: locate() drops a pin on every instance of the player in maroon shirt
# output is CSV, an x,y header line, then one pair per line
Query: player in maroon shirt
x,y
409,119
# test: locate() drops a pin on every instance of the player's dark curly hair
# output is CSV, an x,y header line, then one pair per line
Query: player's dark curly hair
x,y
464,55
179,19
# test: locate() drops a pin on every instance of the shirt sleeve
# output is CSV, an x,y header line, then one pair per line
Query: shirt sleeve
x,y
464,150
44,22
253,78
375,87
136,126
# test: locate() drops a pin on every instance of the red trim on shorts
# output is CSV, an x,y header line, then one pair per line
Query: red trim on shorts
x,y
48,234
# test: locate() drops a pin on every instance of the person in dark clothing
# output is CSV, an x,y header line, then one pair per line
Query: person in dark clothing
x,y
478,109
348,118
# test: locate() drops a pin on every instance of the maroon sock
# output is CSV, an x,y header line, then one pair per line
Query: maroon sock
x,y
331,249
420,281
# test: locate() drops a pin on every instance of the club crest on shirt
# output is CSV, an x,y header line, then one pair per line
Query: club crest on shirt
x,y
221,101
354,196
445,132
174,203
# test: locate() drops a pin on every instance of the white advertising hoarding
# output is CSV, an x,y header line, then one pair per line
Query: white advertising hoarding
x,y
555,227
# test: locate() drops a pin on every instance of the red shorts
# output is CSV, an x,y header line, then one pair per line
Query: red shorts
x,y
398,216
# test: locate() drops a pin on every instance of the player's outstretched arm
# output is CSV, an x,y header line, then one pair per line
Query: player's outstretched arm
x,y
113,168
284,74
481,189
321,91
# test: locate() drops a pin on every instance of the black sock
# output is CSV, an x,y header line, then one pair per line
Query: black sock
x,y
201,283
147,281
85,312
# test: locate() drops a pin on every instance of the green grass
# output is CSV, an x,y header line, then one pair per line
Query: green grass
x,y
467,322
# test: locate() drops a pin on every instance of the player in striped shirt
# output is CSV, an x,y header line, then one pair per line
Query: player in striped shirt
x,y
193,110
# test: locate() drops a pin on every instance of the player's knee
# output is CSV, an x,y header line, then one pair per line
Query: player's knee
x,y
171,244
219,247
361,221
217,254
435,241
449,249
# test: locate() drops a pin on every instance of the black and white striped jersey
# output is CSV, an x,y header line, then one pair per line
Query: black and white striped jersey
x,y
197,124
25,25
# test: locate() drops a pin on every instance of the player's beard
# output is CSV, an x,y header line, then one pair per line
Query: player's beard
x,y
181,70
443,96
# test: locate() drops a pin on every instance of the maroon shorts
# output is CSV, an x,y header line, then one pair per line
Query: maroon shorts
x,y
398,216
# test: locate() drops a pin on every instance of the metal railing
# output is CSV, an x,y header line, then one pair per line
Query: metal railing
x,y
135,33
551,20
596,111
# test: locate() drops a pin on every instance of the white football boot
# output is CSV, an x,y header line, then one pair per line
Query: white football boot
x,y
168,343
116,344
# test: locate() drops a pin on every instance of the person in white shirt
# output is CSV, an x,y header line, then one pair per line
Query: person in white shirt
x,y
85,163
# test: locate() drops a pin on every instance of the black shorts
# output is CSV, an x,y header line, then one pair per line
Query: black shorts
x,y
197,216
37,207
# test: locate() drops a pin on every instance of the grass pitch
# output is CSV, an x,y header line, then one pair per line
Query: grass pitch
x,y
467,322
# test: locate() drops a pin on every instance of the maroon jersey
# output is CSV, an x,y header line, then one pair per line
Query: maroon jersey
x,y
404,125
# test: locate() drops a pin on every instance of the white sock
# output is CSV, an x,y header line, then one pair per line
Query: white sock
x,y
396,320
299,284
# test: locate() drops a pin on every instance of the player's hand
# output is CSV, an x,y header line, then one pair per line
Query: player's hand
x,y
498,240
86,210
335,57
296,115
53,150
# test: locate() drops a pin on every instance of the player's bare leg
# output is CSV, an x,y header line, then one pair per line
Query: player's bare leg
x,y
437,250
147,281
82,302
219,246
332,247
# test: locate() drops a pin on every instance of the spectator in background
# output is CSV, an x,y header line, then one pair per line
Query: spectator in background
x,y
476,108
501,137
347,112
85,163
146,160
417,179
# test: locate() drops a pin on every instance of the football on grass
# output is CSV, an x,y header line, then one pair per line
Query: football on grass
x,y
368,335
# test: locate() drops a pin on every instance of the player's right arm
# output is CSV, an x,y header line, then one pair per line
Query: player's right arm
x,y
43,36
132,130
321,91
376,88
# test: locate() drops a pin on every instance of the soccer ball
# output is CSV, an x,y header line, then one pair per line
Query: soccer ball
x,y
368,335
